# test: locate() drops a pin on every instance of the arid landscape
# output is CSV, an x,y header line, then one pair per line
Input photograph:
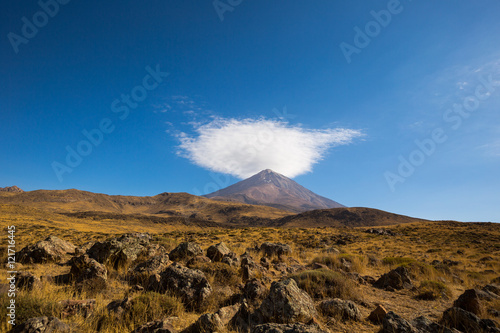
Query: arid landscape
x,y
180,263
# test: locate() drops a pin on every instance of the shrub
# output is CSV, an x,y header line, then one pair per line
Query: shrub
x,y
324,283
432,290
333,261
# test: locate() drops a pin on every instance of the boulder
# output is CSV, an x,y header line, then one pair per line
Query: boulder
x,y
275,249
158,326
122,251
466,321
140,273
218,251
424,325
469,301
26,280
393,323
190,285
41,324
254,290
213,322
492,288
377,315
343,309
85,268
287,303
287,328
51,249
185,251
398,278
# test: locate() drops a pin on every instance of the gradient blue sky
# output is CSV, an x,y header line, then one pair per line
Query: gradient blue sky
x,y
262,57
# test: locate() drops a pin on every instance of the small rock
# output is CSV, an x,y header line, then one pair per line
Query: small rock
x,y
41,324
275,249
398,278
185,251
254,290
393,323
155,327
287,328
218,251
344,309
377,315
469,301
119,307
73,307
26,280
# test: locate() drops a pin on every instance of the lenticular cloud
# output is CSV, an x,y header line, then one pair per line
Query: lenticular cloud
x,y
243,148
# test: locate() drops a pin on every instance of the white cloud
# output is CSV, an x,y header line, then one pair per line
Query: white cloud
x,y
242,148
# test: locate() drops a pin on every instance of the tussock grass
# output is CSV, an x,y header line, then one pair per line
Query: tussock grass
x,y
432,290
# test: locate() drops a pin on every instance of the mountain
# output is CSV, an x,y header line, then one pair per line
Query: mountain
x,y
344,217
272,189
12,189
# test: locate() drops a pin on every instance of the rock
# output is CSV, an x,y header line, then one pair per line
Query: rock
x,y
41,324
287,303
26,280
155,327
185,251
393,323
52,249
231,259
190,285
73,307
466,321
265,262
122,251
119,307
84,248
377,315
343,309
386,232
86,268
424,325
198,260
213,322
254,290
469,301
287,328
141,273
218,251
398,278
492,288
275,249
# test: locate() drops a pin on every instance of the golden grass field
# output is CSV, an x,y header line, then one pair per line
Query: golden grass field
x,y
476,246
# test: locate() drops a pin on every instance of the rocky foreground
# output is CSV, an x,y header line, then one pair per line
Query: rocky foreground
x,y
132,283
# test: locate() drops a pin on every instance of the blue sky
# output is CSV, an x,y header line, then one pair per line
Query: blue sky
x,y
343,123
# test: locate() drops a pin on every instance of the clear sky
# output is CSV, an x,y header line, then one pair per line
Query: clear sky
x,y
386,104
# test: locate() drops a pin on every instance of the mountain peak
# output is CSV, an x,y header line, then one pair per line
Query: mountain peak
x,y
270,188
11,189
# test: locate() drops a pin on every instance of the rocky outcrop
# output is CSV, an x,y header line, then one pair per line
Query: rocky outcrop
x,y
41,324
343,309
190,285
396,279
287,303
185,251
51,249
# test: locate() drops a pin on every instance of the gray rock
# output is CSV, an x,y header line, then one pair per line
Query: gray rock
x,y
287,328
86,268
218,251
254,290
466,321
469,301
141,273
343,309
398,278
190,285
213,322
425,325
155,327
275,249
41,324
52,249
287,303
185,251
392,323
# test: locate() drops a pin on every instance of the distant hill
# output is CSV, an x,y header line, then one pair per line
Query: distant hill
x,y
344,217
13,189
178,205
272,189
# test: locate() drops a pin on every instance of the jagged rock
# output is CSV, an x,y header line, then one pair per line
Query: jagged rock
x,y
185,251
344,309
398,278
254,290
231,259
51,249
275,249
155,327
393,323
122,251
424,325
86,268
287,328
377,315
41,324
26,280
141,273
119,307
73,307
218,251
466,321
213,322
469,301
190,285
287,303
